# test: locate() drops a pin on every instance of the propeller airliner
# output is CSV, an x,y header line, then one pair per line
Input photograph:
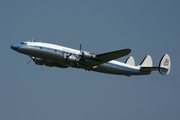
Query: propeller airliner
x,y
52,55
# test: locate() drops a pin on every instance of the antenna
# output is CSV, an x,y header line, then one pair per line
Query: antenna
x,y
33,40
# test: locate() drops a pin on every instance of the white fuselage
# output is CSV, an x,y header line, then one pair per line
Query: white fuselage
x,y
60,56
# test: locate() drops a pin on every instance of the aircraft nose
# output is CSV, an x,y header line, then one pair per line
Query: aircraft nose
x,y
15,46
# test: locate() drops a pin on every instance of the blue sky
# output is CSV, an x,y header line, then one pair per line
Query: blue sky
x,y
146,27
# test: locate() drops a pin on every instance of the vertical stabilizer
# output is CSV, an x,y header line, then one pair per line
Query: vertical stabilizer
x,y
130,61
165,65
147,62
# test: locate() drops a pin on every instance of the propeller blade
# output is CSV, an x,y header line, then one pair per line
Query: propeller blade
x,y
80,48
32,58
29,61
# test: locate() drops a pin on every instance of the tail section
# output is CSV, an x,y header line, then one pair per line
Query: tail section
x,y
164,64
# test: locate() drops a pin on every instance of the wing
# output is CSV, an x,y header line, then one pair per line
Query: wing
x,y
105,57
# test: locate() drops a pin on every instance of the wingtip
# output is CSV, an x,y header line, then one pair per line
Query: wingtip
x,y
127,50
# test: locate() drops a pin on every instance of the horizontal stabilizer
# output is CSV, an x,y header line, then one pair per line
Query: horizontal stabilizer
x,y
130,61
150,68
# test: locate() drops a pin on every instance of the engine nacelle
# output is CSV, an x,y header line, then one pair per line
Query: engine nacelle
x,y
39,61
87,55
49,64
71,59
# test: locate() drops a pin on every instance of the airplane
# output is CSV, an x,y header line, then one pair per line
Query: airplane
x,y
52,55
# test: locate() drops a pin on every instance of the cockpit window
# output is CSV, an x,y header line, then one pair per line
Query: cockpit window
x,y
23,43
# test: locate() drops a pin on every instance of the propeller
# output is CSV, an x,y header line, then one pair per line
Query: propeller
x,y
67,56
80,48
29,61
42,68
81,52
